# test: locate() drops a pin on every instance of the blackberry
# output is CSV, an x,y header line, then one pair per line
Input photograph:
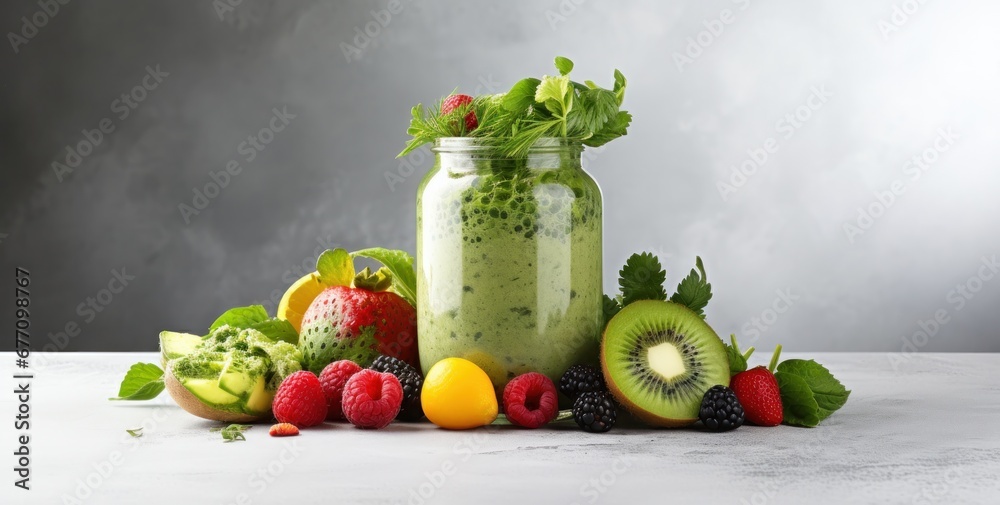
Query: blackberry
x,y
581,379
594,411
411,381
721,410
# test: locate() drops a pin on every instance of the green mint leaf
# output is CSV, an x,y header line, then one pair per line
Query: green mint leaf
x,y
521,95
694,291
143,381
799,407
241,317
611,308
614,128
400,264
620,84
136,432
335,267
827,391
277,330
563,65
642,279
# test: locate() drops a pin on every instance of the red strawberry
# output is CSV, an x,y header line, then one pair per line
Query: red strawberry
x,y
341,315
283,430
757,390
333,379
300,400
530,400
372,399
456,101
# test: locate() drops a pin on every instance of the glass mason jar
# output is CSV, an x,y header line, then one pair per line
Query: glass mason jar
x,y
509,259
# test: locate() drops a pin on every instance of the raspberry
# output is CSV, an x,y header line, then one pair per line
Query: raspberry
x,y
456,101
283,430
333,379
594,412
581,379
411,381
300,400
530,400
372,399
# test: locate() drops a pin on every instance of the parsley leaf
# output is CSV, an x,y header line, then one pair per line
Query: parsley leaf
x,y
694,291
595,108
642,279
143,381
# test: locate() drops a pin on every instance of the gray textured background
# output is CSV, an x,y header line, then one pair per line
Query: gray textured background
x,y
322,182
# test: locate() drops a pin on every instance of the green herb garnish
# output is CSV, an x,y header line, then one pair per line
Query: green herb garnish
x,y
642,278
232,432
553,106
143,381
137,432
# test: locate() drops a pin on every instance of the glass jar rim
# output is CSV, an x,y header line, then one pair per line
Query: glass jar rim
x,y
487,145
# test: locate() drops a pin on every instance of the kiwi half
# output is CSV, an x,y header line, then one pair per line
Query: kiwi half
x,y
659,358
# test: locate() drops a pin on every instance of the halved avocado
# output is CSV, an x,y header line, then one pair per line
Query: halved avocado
x,y
208,388
235,381
259,400
174,345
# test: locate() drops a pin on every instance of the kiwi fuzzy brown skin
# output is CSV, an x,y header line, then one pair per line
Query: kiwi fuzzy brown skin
x,y
622,398
194,406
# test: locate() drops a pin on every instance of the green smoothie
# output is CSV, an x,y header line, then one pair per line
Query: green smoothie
x,y
509,262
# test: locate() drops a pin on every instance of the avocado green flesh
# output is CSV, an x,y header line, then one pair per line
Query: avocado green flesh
x,y
231,370
174,345
209,392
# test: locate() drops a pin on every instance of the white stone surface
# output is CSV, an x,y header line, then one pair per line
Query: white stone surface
x,y
925,431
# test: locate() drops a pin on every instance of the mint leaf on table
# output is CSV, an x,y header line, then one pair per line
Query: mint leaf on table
x,y
799,407
400,264
241,317
694,291
828,393
335,267
143,381
642,279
